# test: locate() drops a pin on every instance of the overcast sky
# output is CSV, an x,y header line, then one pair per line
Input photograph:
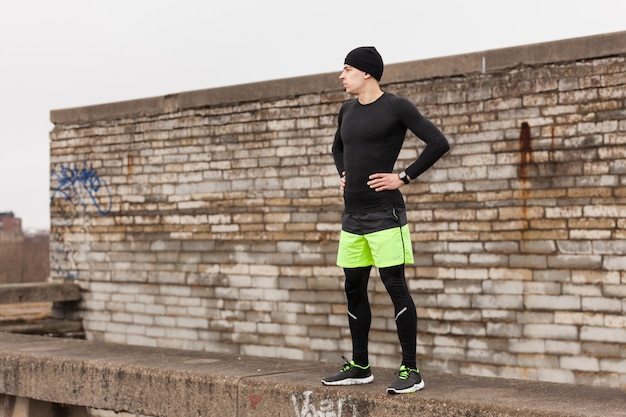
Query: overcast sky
x,y
57,54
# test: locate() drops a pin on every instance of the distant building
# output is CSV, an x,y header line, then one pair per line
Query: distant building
x,y
10,227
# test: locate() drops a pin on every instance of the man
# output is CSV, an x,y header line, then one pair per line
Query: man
x,y
369,137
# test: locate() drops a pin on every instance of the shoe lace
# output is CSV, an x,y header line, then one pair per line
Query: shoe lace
x,y
347,366
404,372
351,364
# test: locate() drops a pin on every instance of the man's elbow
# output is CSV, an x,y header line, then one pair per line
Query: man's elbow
x,y
442,144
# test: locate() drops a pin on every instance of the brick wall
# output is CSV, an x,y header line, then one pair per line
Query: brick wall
x,y
209,220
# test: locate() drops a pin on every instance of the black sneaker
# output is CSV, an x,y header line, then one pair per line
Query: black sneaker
x,y
351,374
409,380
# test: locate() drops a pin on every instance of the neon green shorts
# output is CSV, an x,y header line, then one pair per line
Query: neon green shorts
x,y
382,248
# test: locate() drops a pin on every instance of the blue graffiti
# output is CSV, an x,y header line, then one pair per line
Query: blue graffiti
x,y
66,274
72,179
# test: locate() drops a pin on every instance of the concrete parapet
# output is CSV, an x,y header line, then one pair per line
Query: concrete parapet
x,y
177,383
39,291
476,62
40,308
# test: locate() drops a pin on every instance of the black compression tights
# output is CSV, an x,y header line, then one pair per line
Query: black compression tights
x,y
360,315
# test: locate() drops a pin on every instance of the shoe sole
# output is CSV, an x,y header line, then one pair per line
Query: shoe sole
x,y
350,381
414,388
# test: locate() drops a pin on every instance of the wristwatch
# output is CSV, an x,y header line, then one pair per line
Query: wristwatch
x,y
405,179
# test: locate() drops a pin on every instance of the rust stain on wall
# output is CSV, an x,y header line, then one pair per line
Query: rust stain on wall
x,y
525,150
131,163
552,143
525,160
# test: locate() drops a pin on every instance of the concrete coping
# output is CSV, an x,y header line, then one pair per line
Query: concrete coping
x,y
39,291
177,383
568,50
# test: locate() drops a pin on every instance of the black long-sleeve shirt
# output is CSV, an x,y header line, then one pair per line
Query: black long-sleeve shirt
x,y
368,141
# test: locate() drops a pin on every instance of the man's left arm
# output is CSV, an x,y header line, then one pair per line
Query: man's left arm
x,y
436,143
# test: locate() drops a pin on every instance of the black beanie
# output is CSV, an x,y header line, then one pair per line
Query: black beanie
x,y
367,59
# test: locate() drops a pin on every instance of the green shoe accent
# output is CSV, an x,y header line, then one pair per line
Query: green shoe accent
x,y
408,380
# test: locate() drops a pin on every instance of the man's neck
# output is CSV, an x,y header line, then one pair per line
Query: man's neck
x,y
370,95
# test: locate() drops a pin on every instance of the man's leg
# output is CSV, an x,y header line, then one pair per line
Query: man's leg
x,y
357,370
406,316
359,313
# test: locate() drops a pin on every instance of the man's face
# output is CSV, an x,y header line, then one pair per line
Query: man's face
x,y
352,79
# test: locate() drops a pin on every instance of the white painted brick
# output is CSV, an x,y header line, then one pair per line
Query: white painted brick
x,y
122,317
454,301
603,334
142,319
510,274
560,347
506,330
544,288
547,302
613,365
165,321
502,301
471,273
503,287
614,263
141,341
550,331
578,363
578,318
602,304
118,338
192,323
562,376
276,295
618,321
183,334
270,328
258,350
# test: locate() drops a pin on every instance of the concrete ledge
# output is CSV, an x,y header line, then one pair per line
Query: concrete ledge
x,y
174,383
39,291
45,326
21,309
